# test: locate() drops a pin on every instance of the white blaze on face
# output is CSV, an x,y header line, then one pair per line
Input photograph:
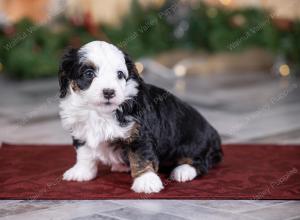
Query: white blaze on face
x,y
108,60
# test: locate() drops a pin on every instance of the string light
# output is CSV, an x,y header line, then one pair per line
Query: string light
x,y
225,2
159,3
180,70
140,67
284,70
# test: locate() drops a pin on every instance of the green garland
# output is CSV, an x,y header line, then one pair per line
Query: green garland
x,y
34,51
211,29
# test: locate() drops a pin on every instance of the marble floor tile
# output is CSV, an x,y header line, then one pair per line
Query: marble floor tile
x,y
234,206
183,209
267,203
20,209
277,212
12,207
291,137
295,218
65,210
273,122
96,217
142,214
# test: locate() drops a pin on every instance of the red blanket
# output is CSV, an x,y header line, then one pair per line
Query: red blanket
x,y
247,172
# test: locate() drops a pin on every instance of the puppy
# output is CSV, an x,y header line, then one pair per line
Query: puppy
x,y
116,118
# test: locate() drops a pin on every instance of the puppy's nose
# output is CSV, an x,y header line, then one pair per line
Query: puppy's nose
x,y
109,93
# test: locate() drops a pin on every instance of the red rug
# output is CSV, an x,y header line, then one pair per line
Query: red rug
x,y
247,172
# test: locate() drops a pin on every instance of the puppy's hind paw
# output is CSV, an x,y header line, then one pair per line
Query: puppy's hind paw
x,y
183,173
80,173
148,182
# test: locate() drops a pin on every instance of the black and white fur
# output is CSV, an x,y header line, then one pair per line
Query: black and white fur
x,y
116,118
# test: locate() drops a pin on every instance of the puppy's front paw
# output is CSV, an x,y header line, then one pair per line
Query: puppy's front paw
x,y
80,173
183,173
148,182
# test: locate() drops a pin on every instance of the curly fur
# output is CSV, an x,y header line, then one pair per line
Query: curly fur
x,y
141,128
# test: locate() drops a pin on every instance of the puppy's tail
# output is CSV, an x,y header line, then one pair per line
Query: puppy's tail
x,y
215,153
211,156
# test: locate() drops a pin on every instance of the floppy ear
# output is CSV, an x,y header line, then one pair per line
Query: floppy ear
x,y
66,69
133,73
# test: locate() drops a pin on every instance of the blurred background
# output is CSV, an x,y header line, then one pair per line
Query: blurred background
x,y
236,61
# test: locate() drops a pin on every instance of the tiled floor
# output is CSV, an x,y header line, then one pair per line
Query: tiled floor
x,y
150,209
251,107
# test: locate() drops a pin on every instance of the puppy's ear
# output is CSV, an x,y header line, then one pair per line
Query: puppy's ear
x,y
133,73
66,69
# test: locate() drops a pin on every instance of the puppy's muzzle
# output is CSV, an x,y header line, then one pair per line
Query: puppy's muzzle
x,y
109,93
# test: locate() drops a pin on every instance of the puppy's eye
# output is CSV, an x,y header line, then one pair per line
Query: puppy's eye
x,y
89,74
121,75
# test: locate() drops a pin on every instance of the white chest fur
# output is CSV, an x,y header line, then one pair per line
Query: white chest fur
x,y
95,128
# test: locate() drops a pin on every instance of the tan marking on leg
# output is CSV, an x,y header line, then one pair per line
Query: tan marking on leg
x,y
134,132
185,160
139,166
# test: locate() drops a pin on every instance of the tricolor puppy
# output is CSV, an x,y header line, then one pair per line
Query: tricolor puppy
x,y
116,118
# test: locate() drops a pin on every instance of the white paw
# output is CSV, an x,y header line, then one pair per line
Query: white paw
x,y
80,173
183,173
148,182
120,168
